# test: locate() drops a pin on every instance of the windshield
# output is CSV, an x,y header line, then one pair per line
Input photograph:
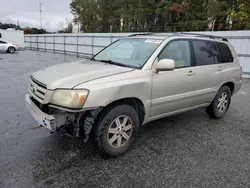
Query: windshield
x,y
129,52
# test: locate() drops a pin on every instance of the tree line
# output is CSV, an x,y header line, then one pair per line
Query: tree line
x,y
160,15
26,30
33,30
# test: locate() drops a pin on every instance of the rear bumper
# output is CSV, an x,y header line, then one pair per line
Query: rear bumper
x,y
42,118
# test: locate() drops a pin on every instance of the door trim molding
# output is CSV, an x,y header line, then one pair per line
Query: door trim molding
x,y
178,97
177,112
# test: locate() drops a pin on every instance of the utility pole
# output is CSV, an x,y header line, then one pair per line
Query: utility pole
x,y
18,25
40,10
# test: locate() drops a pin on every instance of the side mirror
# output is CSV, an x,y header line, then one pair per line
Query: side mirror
x,y
165,65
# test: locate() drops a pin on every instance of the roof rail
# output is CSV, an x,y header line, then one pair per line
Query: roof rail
x,y
138,34
208,36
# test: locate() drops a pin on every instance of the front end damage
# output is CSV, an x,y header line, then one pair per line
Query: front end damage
x,y
73,124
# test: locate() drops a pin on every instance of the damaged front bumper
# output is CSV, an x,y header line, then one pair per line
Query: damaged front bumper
x,y
60,121
42,118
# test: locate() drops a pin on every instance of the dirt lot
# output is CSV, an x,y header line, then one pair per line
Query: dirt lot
x,y
187,150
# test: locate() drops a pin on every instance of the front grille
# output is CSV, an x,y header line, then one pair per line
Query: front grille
x,y
37,88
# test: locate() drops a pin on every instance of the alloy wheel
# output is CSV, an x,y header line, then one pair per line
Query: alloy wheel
x,y
120,131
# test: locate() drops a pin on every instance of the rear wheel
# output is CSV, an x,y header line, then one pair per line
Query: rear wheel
x,y
116,130
218,108
11,50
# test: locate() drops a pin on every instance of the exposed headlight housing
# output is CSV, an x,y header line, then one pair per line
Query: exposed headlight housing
x,y
73,99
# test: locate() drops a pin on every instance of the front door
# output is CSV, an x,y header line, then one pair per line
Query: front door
x,y
172,91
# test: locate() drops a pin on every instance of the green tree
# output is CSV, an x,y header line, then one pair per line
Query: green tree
x,y
160,15
218,13
85,12
8,25
240,14
27,31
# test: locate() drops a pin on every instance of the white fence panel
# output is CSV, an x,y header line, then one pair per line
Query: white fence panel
x,y
85,50
49,46
59,47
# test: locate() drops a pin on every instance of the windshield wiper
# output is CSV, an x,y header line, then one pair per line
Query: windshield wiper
x,y
115,63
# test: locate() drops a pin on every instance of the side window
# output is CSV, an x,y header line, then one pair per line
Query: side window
x,y
225,53
0,35
2,42
206,53
179,51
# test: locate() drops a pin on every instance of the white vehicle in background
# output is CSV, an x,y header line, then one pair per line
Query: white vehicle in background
x,y
8,47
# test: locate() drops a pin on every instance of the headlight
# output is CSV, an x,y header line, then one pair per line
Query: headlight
x,y
69,98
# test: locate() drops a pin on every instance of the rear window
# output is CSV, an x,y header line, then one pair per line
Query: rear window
x,y
225,53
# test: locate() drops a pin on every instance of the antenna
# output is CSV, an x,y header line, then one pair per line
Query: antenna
x,y
40,10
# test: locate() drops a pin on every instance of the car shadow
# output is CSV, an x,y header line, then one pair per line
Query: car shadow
x,y
17,52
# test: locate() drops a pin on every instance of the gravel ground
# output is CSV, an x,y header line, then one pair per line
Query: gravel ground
x,y
187,150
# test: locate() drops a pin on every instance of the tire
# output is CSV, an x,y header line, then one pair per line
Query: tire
x,y
221,103
11,50
109,137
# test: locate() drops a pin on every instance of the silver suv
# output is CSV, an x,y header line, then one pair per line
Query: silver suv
x,y
133,81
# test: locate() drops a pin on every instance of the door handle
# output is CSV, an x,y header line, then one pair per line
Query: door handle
x,y
191,73
219,68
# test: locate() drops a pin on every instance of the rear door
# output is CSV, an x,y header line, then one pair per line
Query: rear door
x,y
207,71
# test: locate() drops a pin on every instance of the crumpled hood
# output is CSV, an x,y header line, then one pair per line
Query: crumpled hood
x,y
69,75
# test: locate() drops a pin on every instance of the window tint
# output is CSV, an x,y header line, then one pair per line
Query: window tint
x,y
206,53
226,55
178,51
0,35
2,42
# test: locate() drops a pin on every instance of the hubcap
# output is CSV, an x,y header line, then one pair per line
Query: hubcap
x,y
223,102
120,131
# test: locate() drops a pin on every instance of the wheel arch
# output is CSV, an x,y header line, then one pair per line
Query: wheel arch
x,y
231,86
136,103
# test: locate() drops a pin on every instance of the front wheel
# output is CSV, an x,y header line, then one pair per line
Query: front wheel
x,y
218,108
116,130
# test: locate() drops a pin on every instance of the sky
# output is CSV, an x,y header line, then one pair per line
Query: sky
x,y
54,13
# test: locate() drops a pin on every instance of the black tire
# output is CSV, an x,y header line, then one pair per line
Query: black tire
x,y
213,109
103,126
11,50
